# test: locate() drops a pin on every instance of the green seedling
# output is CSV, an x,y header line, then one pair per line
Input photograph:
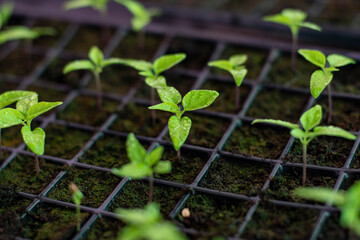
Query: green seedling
x,y
309,121
179,127
236,68
147,224
322,78
348,202
77,197
98,5
95,65
142,164
26,110
294,19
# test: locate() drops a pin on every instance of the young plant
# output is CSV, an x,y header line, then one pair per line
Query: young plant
x,y
236,68
142,164
77,197
309,121
95,65
348,202
147,224
98,5
322,78
179,126
26,110
294,19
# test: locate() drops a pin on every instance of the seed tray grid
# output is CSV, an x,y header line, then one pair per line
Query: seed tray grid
x,y
202,76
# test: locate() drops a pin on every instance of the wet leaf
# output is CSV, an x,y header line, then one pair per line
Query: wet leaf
x,y
35,140
198,99
179,130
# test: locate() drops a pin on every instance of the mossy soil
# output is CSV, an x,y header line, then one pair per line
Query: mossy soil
x,y
278,222
240,177
135,195
95,185
20,62
258,141
214,216
105,229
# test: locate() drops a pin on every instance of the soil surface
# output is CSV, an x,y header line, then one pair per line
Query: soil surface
x,y
49,41
20,63
104,228
332,229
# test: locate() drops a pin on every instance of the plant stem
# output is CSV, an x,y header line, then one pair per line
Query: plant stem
x,y
293,52
330,103
152,99
178,154
304,164
37,165
99,91
237,98
151,187
78,215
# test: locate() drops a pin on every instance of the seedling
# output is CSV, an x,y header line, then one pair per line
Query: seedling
x,y
77,197
147,224
99,5
294,19
179,127
236,68
95,65
322,78
309,121
26,110
142,164
348,202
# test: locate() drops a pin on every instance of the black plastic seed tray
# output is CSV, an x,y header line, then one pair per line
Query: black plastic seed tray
x,y
238,177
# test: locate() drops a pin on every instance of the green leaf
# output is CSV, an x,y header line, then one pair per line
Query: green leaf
x,y
179,130
222,64
278,18
295,15
40,108
197,99
10,97
141,217
311,118
133,170
156,82
168,61
297,133
238,59
320,194
163,167
96,56
24,104
333,131
164,231
135,151
276,122
239,75
154,156
318,82
337,60
110,61
169,95
314,56
168,107
77,197
21,32
5,13
10,117
139,65
99,5
350,209
35,140
312,26
78,65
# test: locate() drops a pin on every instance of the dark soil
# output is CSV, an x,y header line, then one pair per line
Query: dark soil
x,y
95,185
64,142
214,216
323,151
239,6
278,104
258,140
356,159
135,195
84,110
20,63
332,229
11,137
4,156
49,41
236,176
347,79
348,182
11,202
105,229
282,4
277,222
20,173
6,86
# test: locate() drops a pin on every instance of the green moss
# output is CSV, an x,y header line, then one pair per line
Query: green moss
x,y
236,176
49,222
95,185
49,41
323,151
20,63
278,104
105,229
258,140
135,195
11,202
20,173
277,222
64,142
333,230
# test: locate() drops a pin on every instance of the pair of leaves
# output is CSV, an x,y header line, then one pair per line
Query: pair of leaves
x,y
233,66
321,78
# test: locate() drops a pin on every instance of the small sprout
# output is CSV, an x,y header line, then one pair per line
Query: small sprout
x,y
77,197
322,78
26,110
294,19
95,65
348,202
147,224
179,127
309,121
236,68
185,213
142,164
99,5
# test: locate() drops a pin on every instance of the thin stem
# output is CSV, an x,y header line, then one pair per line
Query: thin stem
x,y
151,188
304,164
178,154
37,165
99,91
330,103
293,52
237,98
153,112
1,152
78,215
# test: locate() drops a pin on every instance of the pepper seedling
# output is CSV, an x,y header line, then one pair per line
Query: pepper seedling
x,y
142,164
322,78
179,127
95,65
26,110
294,19
147,224
348,202
236,68
77,197
309,121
